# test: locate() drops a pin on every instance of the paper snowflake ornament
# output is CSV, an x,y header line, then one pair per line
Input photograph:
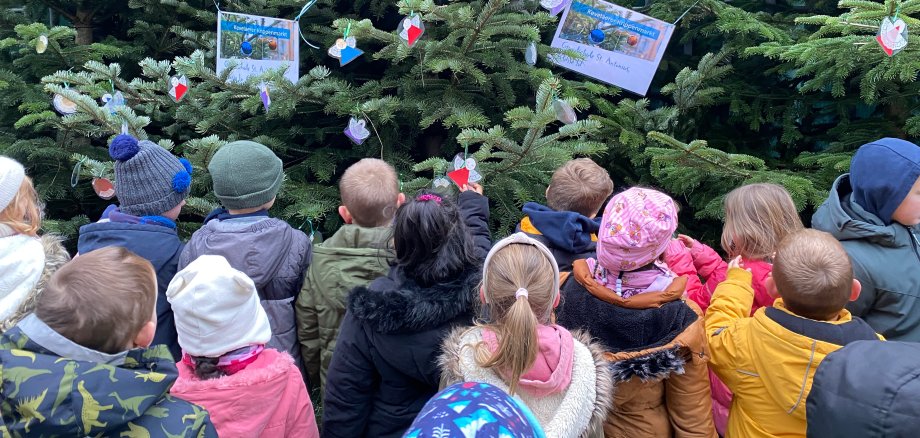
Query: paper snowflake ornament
x,y
411,28
464,171
178,86
564,112
63,105
892,35
357,130
555,6
265,96
104,188
345,50
41,44
111,103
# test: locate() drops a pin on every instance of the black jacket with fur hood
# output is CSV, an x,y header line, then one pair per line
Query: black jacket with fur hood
x,y
385,365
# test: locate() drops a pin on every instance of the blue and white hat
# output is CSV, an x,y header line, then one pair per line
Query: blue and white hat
x,y
149,180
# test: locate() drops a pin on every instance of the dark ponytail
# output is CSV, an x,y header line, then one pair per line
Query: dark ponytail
x,y
206,368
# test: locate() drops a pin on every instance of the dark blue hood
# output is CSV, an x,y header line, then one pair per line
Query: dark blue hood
x,y
882,174
565,230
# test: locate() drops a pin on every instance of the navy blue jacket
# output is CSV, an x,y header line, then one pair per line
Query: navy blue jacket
x,y
569,235
158,244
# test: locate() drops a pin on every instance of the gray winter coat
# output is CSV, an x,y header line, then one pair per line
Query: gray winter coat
x,y
274,255
886,260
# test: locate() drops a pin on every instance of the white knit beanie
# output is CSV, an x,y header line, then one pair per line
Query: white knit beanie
x,y
11,176
216,308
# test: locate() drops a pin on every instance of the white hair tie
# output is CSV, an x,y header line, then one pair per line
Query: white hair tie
x,y
520,293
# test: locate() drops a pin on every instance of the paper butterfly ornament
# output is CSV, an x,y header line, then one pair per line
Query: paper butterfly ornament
x,y
564,112
440,182
464,171
64,105
104,188
357,130
411,29
345,51
892,35
265,96
554,6
178,86
41,44
112,103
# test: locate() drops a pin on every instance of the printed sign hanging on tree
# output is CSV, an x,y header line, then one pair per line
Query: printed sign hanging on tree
x,y
257,44
618,46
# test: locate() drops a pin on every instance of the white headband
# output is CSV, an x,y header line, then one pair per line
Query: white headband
x,y
523,239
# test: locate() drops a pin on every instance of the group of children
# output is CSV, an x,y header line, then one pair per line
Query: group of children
x,y
577,325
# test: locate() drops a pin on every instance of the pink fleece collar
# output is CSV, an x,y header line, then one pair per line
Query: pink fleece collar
x,y
552,370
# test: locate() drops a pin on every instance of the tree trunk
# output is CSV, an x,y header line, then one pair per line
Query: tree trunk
x,y
83,22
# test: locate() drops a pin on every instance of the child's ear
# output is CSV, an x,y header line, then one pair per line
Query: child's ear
x,y
482,295
345,214
145,337
556,301
771,286
546,193
400,200
857,288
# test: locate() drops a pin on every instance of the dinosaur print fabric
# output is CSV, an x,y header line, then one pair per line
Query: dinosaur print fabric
x,y
45,395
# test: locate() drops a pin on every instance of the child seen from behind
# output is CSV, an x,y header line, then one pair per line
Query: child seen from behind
x,y
768,360
354,256
563,378
249,390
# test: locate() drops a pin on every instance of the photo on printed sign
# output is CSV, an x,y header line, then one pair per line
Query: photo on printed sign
x,y
619,46
257,44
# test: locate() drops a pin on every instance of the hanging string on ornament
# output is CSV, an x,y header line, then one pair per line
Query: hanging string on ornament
x,y
265,96
357,130
530,55
178,86
41,44
555,6
63,105
564,112
411,28
892,33
303,11
75,175
345,49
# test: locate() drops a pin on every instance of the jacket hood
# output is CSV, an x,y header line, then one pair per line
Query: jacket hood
x,y
847,220
551,371
565,230
55,257
353,237
802,344
578,410
158,244
396,303
855,397
654,366
258,246
67,390
899,161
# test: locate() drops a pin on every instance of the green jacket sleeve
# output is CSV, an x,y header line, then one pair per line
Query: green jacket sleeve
x,y
308,329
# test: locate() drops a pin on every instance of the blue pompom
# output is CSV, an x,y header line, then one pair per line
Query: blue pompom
x,y
181,181
187,165
124,147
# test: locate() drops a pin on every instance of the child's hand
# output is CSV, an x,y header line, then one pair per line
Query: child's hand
x,y
737,263
472,187
687,240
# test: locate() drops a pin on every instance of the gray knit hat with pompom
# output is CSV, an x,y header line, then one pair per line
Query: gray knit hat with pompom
x,y
149,180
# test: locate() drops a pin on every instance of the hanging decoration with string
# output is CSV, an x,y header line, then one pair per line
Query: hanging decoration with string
x,y
411,28
252,45
41,44
357,130
63,105
345,49
112,101
892,33
464,169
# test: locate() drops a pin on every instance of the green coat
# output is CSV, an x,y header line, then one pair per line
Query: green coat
x,y
886,261
353,256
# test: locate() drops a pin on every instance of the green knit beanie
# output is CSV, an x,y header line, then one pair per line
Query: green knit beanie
x,y
245,175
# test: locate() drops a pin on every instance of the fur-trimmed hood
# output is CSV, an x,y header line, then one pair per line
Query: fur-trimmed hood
x,y
396,303
558,413
657,365
55,257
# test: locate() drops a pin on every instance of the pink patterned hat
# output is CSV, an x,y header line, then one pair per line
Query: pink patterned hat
x,y
636,228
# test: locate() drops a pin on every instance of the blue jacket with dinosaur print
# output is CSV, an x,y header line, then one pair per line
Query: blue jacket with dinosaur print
x,y
51,386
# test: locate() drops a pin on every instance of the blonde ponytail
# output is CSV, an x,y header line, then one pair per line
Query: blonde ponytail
x,y
517,343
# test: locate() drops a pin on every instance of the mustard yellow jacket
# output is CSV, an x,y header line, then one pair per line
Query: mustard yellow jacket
x,y
768,360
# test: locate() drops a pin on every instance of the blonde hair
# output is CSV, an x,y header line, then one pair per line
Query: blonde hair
x,y
24,214
813,274
369,190
757,218
101,299
514,320
580,185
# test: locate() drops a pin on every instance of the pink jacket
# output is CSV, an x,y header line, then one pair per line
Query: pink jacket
x,y
681,262
267,399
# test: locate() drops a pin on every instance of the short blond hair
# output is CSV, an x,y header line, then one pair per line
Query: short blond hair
x,y
370,190
580,185
24,214
813,274
101,299
757,218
